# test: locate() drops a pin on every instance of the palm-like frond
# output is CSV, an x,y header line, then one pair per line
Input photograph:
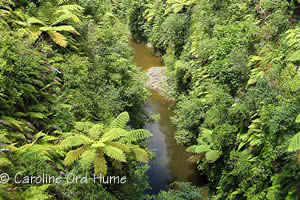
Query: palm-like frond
x,y
95,143
115,153
140,154
198,149
73,155
58,38
87,158
295,143
120,121
100,165
76,140
139,134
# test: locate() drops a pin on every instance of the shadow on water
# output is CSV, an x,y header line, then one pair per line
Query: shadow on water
x,y
170,163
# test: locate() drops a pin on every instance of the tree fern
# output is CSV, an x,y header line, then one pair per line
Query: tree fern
x,y
76,140
140,154
295,141
139,134
74,155
94,144
204,149
87,158
120,121
115,153
100,165
53,19
212,156
198,149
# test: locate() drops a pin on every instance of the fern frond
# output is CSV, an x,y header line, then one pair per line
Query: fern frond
x,y
12,121
48,138
73,155
77,140
198,149
113,134
58,38
38,135
114,153
69,29
36,193
295,143
36,115
140,154
298,119
121,146
87,158
38,108
65,15
100,165
120,121
212,156
98,144
139,134
5,162
33,21
83,126
96,131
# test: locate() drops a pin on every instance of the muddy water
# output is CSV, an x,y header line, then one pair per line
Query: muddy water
x,y
170,162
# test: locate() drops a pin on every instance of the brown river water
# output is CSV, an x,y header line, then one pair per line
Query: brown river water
x,y
170,163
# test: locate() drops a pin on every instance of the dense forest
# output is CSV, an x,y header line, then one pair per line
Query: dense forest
x,y
72,102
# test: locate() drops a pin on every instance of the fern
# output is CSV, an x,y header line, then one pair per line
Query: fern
x,y
73,155
139,134
212,156
95,143
83,126
295,141
140,154
58,38
5,162
115,153
96,131
198,149
74,141
100,165
37,193
120,121
87,158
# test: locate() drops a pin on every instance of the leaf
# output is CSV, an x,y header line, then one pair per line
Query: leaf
x,y
114,153
58,38
295,143
139,134
5,162
100,165
212,156
298,119
33,20
120,121
87,158
36,115
140,154
198,149
73,155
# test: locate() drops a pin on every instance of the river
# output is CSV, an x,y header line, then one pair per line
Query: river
x,y
170,162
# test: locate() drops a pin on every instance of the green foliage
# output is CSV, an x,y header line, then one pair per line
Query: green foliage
x,y
45,89
113,142
181,191
234,67
52,19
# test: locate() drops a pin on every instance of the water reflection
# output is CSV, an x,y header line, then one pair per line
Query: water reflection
x,y
170,162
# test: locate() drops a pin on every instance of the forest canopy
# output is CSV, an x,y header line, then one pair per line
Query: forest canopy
x,y
71,101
